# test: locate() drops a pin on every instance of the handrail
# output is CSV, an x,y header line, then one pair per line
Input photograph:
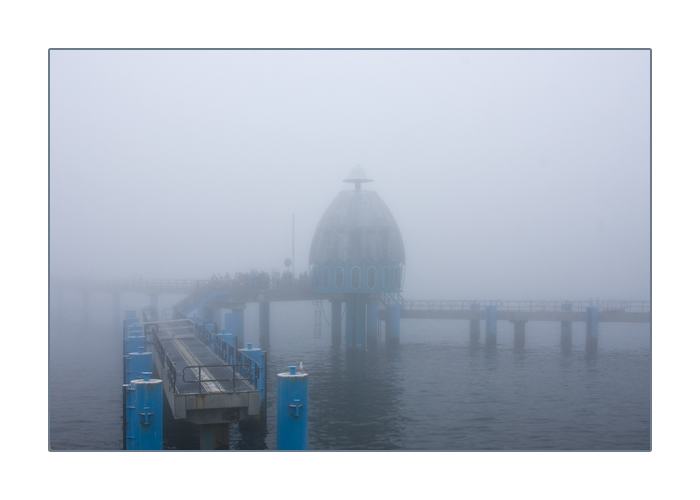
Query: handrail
x,y
167,361
201,381
530,305
230,354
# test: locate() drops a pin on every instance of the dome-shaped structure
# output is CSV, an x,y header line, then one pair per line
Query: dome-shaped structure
x,y
357,247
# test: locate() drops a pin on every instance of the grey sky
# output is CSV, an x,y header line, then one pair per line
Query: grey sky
x,y
512,174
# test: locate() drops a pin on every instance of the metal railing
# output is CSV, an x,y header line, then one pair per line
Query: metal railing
x,y
246,367
168,363
235,370
529,305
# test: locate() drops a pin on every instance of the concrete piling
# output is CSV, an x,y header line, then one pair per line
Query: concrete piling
x,y
566,337
264,315
233,323
214,437
474,325
393,325
592,317
372,323
519,335
336,321
491,322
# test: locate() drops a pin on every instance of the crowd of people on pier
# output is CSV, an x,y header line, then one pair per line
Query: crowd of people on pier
x,y
260,279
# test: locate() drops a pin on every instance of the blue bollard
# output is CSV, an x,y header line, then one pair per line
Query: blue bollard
x,y
491,322
145,414
135,340
136,363
260,357
292,410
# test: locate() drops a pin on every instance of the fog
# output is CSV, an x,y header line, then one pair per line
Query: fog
x,y
511,174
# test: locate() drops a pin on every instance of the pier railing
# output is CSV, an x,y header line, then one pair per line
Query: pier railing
x,y
247,368
206,379
168,363
243,368
529,305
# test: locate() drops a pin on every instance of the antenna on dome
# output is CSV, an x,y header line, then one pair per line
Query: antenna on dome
x,y
358,176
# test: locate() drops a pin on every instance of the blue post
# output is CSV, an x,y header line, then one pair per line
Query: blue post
x,y
129,345
491,321
292,410
260,357
233,322
474,324
129,320
137,363
591,330
135,340
393,325
566,330
372,323
145,414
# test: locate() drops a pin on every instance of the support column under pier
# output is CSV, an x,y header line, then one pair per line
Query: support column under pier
x,y
519,335
233,323
372,323
393,325
264,315
336,321
214,437
474,326
491,321
206,314
566,330
154,307
591,330
355,322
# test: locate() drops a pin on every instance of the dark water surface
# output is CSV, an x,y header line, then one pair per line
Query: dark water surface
x,y
433,392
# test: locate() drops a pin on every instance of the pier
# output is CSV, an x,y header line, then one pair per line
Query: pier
x,y
212,378
223,304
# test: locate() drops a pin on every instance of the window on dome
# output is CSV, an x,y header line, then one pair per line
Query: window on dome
x,y
371,277
385,277
326,277
355,278
397,278
339,277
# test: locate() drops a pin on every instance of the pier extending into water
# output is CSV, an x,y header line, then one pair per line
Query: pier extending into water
x,y
222,303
